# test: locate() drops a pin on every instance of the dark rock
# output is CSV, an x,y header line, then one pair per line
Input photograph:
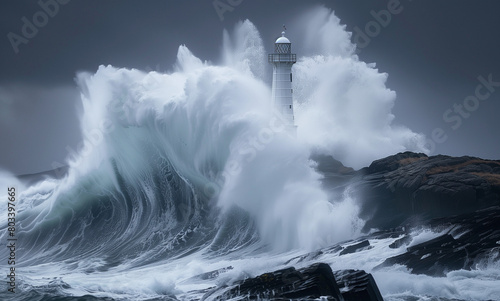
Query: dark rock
x,y
327,164
434,257
306,257
357,285
410,185
363,245
333,249
437,243
308,283
389,233
457,194
317,280
400,242
392,163
473,238
337,177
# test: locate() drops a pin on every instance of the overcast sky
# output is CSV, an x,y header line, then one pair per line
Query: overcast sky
x,y
433,51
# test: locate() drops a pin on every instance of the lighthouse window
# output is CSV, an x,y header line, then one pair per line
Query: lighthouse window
x,y
290,106
290,77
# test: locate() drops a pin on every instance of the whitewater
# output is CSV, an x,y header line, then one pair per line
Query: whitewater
x,y
190,171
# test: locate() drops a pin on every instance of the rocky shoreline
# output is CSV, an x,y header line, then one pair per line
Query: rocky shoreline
x,y
401,193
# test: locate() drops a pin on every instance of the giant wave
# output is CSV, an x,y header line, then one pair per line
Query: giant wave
x,y
191,170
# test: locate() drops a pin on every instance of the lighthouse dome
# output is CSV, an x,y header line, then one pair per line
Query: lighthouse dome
x,y
282,39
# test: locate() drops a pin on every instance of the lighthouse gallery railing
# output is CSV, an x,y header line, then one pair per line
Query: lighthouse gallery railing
x,y
282,57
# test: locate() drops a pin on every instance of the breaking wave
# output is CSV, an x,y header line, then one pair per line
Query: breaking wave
x,y
195,161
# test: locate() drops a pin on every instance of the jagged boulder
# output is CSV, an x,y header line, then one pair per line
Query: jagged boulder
x,y
360,246
310,283
357,285
413,185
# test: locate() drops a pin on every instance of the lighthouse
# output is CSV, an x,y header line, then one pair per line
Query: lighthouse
x,y
282,60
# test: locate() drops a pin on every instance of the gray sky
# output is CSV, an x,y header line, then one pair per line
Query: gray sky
x,y
433,51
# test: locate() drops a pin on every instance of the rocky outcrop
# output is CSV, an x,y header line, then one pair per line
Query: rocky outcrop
x,y
456,197
309,283
360,246
410,185
471,240
467,241
357,285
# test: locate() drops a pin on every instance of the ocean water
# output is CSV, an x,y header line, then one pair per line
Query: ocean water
x,y
190,171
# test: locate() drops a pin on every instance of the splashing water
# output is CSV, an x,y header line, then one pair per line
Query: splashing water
x,y
193,167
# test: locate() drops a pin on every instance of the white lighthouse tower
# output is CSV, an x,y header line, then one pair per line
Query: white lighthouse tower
x,y
283,60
